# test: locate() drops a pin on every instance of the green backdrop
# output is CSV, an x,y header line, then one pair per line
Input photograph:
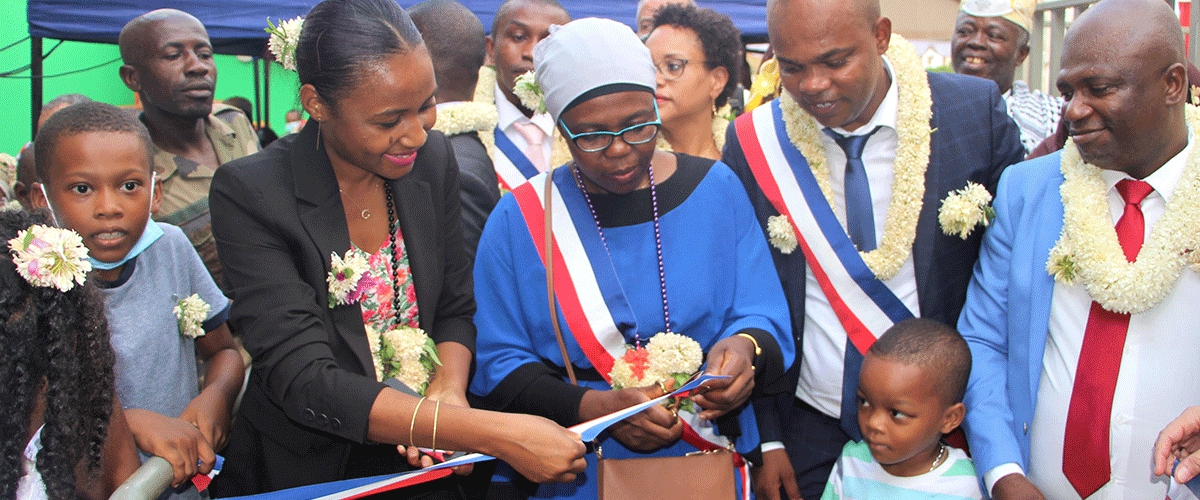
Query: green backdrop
x,y
234,78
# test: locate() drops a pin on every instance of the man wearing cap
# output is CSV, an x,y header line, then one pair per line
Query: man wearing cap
x,y
1081,313
991,39
847,171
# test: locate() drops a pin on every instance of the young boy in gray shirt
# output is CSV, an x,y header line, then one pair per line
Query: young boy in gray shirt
x,y
163,309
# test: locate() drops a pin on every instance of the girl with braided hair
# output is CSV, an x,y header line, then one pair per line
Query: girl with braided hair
x,y
62,433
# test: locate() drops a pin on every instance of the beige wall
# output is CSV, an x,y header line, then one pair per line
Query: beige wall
x,y
921,19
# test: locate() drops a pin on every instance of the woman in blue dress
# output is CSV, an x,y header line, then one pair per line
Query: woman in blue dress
x,y
644,242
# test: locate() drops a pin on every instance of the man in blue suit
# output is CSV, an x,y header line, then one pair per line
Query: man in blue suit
x,y
1081,355
865,113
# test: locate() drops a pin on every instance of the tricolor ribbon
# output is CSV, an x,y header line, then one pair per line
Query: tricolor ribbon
x,y
864,305
512,167
366,486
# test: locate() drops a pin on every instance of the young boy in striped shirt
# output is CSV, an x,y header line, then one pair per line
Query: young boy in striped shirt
x,y
910,394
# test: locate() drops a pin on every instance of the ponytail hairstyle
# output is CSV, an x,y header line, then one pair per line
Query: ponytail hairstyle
x,y
341,37
52,344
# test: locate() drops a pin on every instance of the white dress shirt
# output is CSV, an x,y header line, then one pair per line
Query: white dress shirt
x,y
1158,379
824,345
509,114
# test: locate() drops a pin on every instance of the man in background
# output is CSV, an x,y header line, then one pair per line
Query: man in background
x,y
991,39
458,46
169,64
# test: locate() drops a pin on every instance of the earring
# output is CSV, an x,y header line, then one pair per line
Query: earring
x,y
318,145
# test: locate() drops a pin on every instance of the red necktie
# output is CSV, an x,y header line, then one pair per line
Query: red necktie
x,y
1085,445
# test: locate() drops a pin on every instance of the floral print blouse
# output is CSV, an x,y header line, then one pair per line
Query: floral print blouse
x,y
377,300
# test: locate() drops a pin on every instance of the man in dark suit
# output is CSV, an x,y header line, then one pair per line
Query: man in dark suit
x,y
458,45
860,119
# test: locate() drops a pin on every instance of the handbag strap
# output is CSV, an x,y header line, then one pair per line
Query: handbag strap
x,y
562,345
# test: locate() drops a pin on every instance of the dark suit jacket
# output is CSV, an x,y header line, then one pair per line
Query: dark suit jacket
x,y
480,188
974,141
277,217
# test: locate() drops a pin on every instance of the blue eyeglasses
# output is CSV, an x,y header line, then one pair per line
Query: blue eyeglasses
x,y
591,142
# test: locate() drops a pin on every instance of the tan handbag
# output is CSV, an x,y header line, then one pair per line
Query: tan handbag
x,y
695,476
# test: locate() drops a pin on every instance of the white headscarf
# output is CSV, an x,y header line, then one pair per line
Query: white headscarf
x,y
587,54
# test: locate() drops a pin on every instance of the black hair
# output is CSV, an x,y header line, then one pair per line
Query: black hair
x,y
243,104
721,40
86,117
56,341
65,100
340,37
503,12
456,42
933,346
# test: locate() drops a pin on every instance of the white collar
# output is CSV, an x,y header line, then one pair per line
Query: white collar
x,y
508,114
885,115
1162,180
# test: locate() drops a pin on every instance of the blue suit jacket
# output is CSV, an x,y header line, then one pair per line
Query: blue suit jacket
x,y
1007,313
974,141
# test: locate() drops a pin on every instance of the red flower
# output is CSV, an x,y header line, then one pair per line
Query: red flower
x,y
638,360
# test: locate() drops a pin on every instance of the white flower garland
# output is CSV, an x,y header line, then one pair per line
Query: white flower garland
x,y
485,93
782,234
912,157
50,257
466,117
1088,252
965,209
406,353
284,39
191,313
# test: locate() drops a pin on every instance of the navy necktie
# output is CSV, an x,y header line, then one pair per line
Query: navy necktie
x,y
860,214
860,225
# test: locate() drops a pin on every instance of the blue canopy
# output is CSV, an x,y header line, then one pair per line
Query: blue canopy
x,y
236,27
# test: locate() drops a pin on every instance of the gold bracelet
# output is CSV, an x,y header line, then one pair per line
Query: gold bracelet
x,y
436,411
412,424
757,349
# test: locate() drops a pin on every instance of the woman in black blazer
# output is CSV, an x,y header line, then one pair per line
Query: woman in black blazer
x,y
364,171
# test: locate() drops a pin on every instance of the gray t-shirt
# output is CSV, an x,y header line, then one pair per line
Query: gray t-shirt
x,y
156,365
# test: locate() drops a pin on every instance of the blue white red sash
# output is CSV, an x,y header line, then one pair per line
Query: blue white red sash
x,y
864,305
513,168
593,305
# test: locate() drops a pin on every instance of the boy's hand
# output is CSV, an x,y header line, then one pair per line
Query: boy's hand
x,y
176,440
208,413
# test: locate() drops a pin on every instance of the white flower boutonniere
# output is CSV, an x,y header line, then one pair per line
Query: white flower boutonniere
x,y
284,39
50,257
406,353
191,313
347,277
529,92
667,360
1061,265
965,209
781,234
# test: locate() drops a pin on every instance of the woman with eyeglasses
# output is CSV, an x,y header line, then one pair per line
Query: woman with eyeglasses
x,y
643,242
697,54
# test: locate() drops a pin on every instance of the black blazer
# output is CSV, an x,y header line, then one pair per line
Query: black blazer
x,y
480,188
277,217
975,140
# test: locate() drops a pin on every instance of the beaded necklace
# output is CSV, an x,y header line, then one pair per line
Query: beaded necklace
x,y
393,226
662,276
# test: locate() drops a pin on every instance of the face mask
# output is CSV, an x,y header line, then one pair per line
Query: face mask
x,y
151,234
